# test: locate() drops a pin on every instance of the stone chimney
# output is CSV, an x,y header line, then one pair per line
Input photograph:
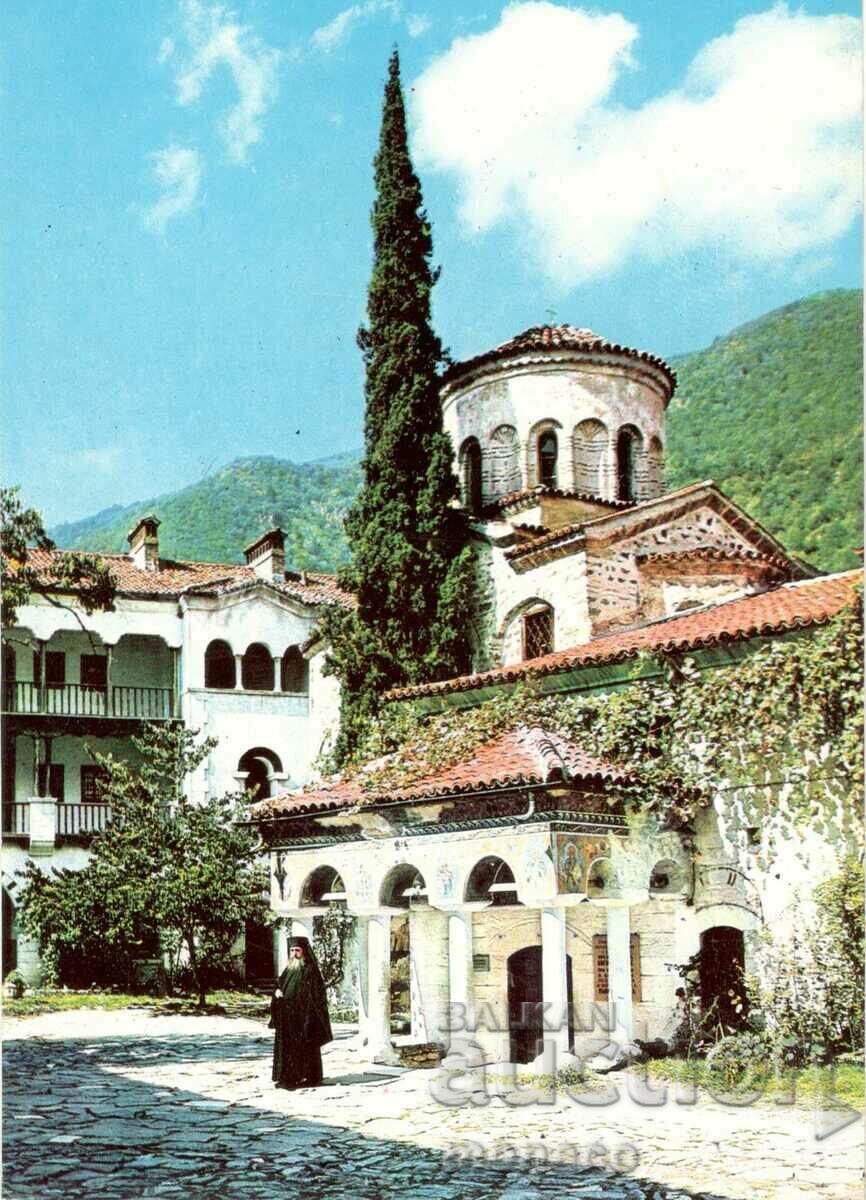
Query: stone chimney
x,y
144,543
267,555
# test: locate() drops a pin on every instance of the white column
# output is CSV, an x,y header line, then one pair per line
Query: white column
x,y
278,663
362,953
379,1048
460,975
619,974
43,824
282,949
239,671
554,979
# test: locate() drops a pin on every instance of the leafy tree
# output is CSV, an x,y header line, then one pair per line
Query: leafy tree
x,y
411,565
20,529
164,864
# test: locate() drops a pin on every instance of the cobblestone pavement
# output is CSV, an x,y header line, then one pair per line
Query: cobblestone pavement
x,y
123,1105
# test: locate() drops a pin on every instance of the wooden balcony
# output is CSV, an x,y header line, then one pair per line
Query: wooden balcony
x,y
72,820
78,700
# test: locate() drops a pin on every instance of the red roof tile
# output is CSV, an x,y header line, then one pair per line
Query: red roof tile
x,y
789,606
176,578
771,562
528,497
559,337
518,757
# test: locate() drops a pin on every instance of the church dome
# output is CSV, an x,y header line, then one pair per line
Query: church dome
x,y
558,406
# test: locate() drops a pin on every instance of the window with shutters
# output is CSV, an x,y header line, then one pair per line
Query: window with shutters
x,y
600,967
93,781
50,780
538,633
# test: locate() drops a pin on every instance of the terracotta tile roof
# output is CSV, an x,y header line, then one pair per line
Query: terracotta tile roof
x,y
790,606
176,578
559,337
528,497
519,757
552,537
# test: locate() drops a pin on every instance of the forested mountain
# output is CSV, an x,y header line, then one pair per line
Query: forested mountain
x,y
772,412
214,519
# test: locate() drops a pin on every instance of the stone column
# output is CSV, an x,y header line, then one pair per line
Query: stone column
x,y
362,990
619,973
281,947
109,706
460,974
379,1048
429,971
239,672
278,663
43,824
554,979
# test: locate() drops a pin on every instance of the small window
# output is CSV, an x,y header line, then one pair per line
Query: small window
x,y
93,781
547,456
628,444
294,672
94,671
472,476
600,967
50,780
538,633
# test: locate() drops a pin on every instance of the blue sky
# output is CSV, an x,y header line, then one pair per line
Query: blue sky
x,y
186,225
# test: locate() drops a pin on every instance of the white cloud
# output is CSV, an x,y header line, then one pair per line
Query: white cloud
x,y
178,171
418,24
214,39
328,38
756,153
104,458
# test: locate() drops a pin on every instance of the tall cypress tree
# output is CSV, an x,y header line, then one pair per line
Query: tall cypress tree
x,y
411,565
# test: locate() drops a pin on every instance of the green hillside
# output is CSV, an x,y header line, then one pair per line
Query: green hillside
x,y
213,520
773,412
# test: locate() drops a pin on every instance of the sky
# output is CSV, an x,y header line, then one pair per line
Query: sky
x,y
186,237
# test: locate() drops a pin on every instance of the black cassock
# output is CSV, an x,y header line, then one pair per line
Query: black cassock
x,y
300,1022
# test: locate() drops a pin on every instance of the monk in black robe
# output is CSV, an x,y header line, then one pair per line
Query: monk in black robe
x,y
299,1016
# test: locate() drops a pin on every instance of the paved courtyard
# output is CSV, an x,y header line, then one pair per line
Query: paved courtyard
x,y
122,1105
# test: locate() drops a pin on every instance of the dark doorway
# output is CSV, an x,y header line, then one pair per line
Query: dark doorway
x,y
721,975
258,953
525,996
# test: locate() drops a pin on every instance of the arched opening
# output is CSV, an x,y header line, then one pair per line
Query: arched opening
x,y
548,453
404,887
600,878
628,445
294,672
470,471
655,467
525,1001
589,447
257,669
721,976
323,886
219,666
260,765
504,461
667,878
492,879
538,631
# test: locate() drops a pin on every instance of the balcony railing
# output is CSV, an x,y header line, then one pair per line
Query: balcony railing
x,y
16,819
82,818
78,700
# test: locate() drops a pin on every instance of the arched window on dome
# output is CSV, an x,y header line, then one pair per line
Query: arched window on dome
x,y
219,666
628,449
548,454
504,461
655,468
589,446
470,475
257,669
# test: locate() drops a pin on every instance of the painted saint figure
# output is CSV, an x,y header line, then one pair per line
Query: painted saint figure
x,y
299,1017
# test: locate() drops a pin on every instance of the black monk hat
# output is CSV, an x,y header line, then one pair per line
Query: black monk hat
x,y
299,941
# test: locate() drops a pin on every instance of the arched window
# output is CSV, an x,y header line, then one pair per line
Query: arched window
x,y
628,446
404,887
492,879
548,452
294,672
219,666
470,471
504,461
655,468
323,886
257,669
589,446
538,632
260,765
